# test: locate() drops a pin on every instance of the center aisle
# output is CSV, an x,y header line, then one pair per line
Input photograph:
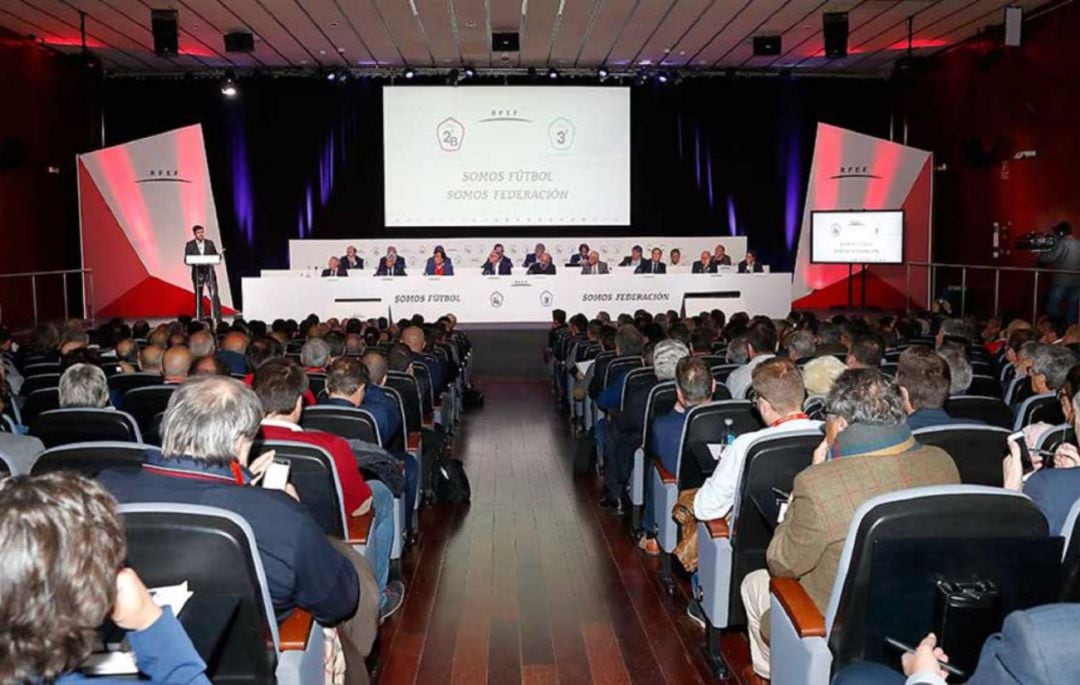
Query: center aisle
x,y
531,582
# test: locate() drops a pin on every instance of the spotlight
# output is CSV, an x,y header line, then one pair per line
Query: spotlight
x,y
409,73
228,87
602,73
662,77
469,72
553,73
331,75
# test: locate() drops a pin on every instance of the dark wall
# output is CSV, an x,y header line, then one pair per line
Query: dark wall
x,y
48,116
294,158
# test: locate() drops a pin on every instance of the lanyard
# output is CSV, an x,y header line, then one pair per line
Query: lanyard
x,y
789,417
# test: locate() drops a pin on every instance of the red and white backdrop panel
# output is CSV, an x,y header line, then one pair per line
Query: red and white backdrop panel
x,y
856,171
137,204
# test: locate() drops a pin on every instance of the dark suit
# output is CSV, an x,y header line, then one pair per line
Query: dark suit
x,y
743,268
348,266
651,267
504,269
578,258
530,259
204,276
699,268
629,261
329,273
448,267
397,270
538,268
1054,491
722,261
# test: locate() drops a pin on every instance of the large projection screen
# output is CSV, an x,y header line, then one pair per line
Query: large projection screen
x,y
857,237
506,155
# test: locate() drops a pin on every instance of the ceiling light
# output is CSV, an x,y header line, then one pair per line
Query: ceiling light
x,y
553,73
229,88
469,72
602,73
409,73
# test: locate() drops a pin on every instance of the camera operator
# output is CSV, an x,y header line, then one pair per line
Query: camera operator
x,y
1064,255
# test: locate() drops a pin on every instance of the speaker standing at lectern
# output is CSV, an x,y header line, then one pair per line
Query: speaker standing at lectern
x,y
196,253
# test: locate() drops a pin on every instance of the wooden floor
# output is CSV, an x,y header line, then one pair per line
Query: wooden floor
x,y
531,582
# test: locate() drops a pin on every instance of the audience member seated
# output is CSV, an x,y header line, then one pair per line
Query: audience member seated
x,y
208,433
828,340
952,330
542,266
581,256
62,549
750,265
210,365
867,451
534,256
760,346
635,259
150,358
351,260
382,405
593,265
280,384
801,347
333,268
694,385
923,377
497,264
1049,367
1054,482
202,343
865,352
704,265
175,365
628,343
654,265
721,257
315,355
391,264
960,373
233,350
438,264
83,386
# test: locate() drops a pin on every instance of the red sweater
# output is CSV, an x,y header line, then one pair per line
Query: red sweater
x,y
354,489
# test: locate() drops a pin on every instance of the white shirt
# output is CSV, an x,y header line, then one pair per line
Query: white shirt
x,y
281,424
742,377
201,244
717,496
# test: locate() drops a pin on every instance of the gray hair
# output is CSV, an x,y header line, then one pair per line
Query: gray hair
x,y
954,328
960,372
666,356
202,343
1054,362
1027,350
315,354
866,396
694,379
84,385
803,344
207,416
736,350
628,340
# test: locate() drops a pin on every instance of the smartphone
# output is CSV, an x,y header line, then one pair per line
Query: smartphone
x,y
277,475
1025,455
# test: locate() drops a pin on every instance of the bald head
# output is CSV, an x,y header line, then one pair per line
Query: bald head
x,y
413,337
376,367
176,362
201,343
150,359
126,350
235,342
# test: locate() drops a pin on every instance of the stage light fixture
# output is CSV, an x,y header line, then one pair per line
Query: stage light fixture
x,y
409,73
553,73
602,73
662,77
470,72
229,88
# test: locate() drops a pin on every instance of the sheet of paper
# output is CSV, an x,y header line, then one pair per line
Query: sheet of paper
x,y
584,366
117,658
716,449
172,596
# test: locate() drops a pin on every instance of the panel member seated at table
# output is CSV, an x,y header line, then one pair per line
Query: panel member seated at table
x,y
438,264
750,265
705,265
593,265
654,265
635,259
582,255
720,256
675,257
391,264
333,268
497,264
544,266
351,260
534,256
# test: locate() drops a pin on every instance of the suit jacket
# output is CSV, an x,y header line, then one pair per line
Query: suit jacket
x,y
699,268
505,268
1054,491
601,268
448,267
723,261
808,543
398,270
530,259
576,259
347,266
744,269
192,248
646,267
538,268
340,272
629,261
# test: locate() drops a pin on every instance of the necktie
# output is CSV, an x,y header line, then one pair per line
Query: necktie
x,y
654,267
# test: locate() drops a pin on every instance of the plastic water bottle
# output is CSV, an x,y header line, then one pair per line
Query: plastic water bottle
x,y
729,432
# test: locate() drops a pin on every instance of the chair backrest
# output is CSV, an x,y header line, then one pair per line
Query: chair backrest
x,y
989,410
214,551
91,458
706,423
122,382
984,386
351,423
635,397
976,450
39,381
397,441
599,371
661,400
423,382
6,465
41,400
899,545
312,472
721,392
68,426
316,382
1053,438
815,408
409,392
7,424
1070,558
39,368
712,360
772,461
147,402
721,371
1019,389
620,365
1045,407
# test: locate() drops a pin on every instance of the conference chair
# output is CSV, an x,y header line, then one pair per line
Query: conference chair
x,y
1070,557
316,382
721,392
727,552
41,380
1007,375
147,402
214,551
814,407
7,424
889,369
91,458
1050,440
408,396
660,400
121,383
351,423
721,371
712,360
7,466
39,401
705,424
984,386
69,426
32,359
906,542
977,450
980,366
1019,389
39,368
989,410
1045,407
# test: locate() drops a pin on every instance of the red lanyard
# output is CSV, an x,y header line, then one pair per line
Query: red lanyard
x,y
789,417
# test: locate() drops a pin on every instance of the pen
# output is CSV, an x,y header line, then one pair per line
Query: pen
x,y
911,650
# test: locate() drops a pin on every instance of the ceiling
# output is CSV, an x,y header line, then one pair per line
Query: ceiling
x,y
703,34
